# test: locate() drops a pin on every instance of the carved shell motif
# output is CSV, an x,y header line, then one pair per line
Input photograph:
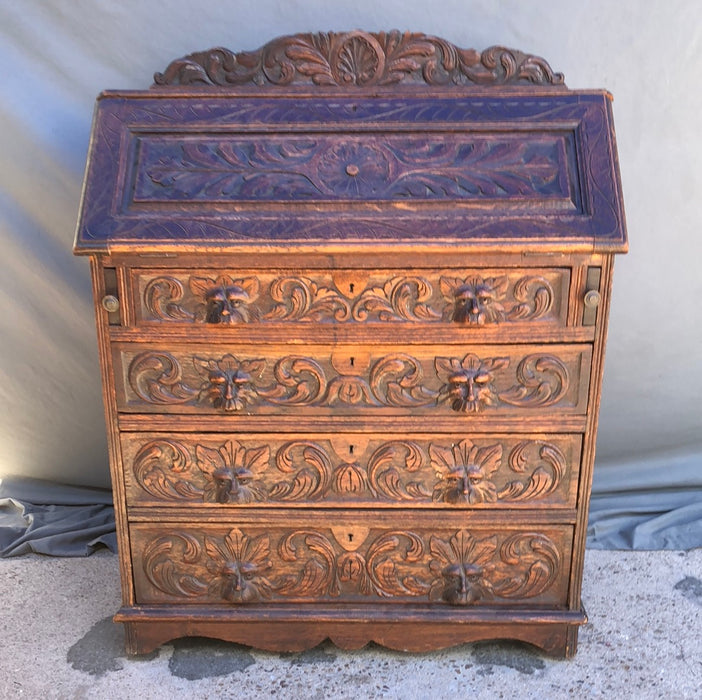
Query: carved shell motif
x,y
359,59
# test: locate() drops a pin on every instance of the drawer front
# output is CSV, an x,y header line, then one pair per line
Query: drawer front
x,y
312,380
355,560
231,300
369,470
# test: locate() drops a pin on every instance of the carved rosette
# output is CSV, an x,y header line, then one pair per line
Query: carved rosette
x,y
359,59
460,567
459,474
228,300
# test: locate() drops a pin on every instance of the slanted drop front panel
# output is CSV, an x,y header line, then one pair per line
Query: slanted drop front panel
x,y
216,170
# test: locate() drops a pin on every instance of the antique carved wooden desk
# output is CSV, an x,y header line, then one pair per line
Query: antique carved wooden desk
x,y
351,296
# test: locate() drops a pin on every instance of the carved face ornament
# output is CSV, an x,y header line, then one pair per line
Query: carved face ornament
x,y
475,301
226,300
468,382
238,566
231,472
463,584
477,304
228,381
227,305
463,565
465,472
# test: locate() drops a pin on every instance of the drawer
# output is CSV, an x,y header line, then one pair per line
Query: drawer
x,y
237,301
306,559
351,380
372,470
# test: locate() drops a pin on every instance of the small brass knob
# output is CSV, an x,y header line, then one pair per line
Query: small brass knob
x,y
110,303
592,299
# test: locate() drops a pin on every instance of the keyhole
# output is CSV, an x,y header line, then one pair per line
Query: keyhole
x,y
350,537
351,288
352,360
351,449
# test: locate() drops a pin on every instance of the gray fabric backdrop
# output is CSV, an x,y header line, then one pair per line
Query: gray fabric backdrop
x,y
56,56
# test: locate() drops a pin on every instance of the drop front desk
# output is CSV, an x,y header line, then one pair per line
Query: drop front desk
x,y
351,295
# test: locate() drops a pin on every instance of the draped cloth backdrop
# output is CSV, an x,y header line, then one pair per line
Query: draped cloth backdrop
x,y
57,56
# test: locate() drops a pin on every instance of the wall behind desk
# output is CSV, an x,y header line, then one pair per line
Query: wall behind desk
x,y
57,56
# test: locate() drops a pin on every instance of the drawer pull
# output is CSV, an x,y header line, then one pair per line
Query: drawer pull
x,y
110,303
592,299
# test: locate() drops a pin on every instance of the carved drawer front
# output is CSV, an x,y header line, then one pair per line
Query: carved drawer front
x,y
310,380
468,298
369,470
355,560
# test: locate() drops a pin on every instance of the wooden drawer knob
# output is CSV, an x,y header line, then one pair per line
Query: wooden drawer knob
x,y
110,303
592,299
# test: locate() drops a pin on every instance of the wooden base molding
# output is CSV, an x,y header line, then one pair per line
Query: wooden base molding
x,y
414,630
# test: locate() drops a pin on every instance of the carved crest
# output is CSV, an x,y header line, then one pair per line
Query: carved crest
x,y
359,59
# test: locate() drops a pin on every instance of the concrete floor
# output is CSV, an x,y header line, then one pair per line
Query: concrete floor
x,y
644,640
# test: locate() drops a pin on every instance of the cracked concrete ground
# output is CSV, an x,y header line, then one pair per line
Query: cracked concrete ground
x,y
643,641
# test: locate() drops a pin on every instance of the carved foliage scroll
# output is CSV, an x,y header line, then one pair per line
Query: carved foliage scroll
x,y
458,567
460,473
310,168
468,384
358,59
467,300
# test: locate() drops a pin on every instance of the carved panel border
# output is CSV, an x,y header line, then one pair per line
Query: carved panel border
x,y
519,378
465,298
248,564
373,167
445,471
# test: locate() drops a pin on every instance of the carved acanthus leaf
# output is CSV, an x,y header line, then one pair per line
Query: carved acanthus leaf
x,y
310,468
529,566
385,471
359,59
543,479
399,299
299,381
163,297
396,380
543,381
156,377
302,299
534,296
161,468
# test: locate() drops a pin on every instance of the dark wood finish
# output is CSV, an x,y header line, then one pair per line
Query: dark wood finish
x,y
351,293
